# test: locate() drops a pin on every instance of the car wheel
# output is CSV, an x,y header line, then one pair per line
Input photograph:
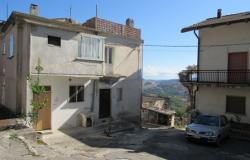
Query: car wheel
x,y
218,141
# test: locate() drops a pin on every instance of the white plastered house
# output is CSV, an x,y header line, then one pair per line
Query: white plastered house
x,y
91,70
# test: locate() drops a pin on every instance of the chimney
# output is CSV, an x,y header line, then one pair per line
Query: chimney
x,y
34,9
219,13
130,22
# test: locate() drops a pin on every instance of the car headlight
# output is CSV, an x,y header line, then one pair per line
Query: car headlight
x,y
209,133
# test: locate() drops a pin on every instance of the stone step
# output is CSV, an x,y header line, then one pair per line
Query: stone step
x,y
240,134
14,123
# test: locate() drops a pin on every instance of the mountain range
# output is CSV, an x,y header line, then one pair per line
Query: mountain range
x,y
172,90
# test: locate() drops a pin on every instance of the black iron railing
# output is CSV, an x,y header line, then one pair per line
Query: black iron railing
x,y
216,76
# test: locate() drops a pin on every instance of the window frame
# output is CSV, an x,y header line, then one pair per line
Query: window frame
x,y
11,45
228,109
109,54
101,48
3,46
54,37
76,94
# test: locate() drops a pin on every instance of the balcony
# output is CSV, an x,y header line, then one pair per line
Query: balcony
x,y
233,77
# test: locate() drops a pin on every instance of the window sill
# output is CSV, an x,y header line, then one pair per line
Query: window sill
x,y
76,102
85,59
238,114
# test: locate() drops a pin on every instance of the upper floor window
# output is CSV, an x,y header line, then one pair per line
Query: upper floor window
x,y
108,55
90,48
11,45
3,46
53,40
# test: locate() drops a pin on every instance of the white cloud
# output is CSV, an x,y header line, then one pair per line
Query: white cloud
x,y
159,72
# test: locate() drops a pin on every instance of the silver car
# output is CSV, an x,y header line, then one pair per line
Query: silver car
x,y
208,128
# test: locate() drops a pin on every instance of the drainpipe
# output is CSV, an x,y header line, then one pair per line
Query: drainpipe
x,y
198,66
198,51
93,96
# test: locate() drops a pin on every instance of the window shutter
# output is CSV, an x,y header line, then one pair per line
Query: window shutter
x,y
236,105
11,45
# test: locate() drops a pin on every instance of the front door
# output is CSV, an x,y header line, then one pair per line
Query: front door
x,y
104,103
44,115
237,66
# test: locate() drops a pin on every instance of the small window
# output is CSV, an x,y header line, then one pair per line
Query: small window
x,y
3,46
11,45
119,94
108,55
76,94
236,105
53,40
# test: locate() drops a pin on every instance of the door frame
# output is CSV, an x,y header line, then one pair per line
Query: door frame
x,y
50,110
110,106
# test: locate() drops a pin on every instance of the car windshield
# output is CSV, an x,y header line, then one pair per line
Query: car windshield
x,y
207,120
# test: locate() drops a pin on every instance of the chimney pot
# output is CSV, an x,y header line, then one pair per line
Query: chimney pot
x,y
130,22
219,13
34,9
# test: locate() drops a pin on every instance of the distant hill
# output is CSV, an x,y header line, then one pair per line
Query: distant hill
x,y
165,88
172,90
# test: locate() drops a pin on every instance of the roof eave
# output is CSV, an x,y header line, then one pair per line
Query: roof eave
x,y
197,27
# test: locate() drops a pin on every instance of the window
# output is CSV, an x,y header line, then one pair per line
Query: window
x,y
236,105
76,93
3,46
119,94
108,55
90,48
53,40
11,47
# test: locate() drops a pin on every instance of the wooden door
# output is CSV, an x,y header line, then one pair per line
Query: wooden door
x,y
237,66
44,115
104,103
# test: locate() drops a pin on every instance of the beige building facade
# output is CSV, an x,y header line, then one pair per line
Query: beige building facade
x,y
92,75
222,78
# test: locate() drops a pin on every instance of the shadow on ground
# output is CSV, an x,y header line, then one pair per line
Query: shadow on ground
x,y
168,144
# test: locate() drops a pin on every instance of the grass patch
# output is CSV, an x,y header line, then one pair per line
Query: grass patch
x,y
180,126
41,142
13,136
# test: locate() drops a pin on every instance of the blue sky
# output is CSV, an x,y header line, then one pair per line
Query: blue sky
x,y
159,20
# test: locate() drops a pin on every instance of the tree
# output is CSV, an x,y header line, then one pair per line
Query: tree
x,y
191,87
38,91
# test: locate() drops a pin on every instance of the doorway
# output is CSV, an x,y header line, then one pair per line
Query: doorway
x,y
44,115
237,66
105,103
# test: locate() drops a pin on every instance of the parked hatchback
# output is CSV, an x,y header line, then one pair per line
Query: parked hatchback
x,y
208,128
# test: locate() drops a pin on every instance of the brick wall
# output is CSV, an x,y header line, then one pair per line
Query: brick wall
x,y
114,28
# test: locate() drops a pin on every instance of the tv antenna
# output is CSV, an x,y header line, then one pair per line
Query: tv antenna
x,y
70,12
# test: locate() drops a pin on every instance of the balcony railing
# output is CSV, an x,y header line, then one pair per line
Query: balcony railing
x,y
216,76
